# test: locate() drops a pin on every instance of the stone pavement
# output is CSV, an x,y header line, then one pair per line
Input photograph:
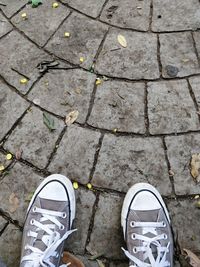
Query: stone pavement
x,y
138,113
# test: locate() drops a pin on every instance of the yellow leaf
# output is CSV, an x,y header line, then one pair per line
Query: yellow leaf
x,y
115,130
2,168
195,166
24,15
89,186
122,41
75,185
98,81
194,260
23,81
55,5
9,156
81,59
67,34
14,202
71,117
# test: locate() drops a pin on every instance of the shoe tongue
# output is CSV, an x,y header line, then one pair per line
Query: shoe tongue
x,y
148,216
49,204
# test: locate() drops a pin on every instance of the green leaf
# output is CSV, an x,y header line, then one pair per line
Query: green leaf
x,y
48,121
36,3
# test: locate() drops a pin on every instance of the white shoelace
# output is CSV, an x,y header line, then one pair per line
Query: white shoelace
x,y
160,261
51,239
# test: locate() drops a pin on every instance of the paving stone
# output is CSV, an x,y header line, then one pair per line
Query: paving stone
x,y
75,154
184,217
21,64
170,108
34,138
10,103
118,264
91,7
73,90
124,161
137,61
197,41
194,82
179,150
177,50
119,105
40,30
175,16
81,43
12,6
107,236
85,201
127,14
22,181
2,223
5,26
10,246
88,262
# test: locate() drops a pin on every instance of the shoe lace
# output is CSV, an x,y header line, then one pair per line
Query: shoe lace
x,y
51,239
146,248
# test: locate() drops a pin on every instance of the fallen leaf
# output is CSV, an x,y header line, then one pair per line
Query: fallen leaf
x,y
67,34
89,186
81,59
2,168
71,117
100,263
14,202
55,5
75,185
195,166
194,260
23,81
9,156
196,197
198,204
122,41
171,173
98,81
24,16
71,260
185,60
48,121
18,154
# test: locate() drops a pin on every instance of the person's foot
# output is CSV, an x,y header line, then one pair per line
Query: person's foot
x,y
48,222
146,227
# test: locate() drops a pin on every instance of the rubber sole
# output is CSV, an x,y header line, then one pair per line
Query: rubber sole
x,y
69,188
131,194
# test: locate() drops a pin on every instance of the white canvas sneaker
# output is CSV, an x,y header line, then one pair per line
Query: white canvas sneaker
x,y
147,228
48,222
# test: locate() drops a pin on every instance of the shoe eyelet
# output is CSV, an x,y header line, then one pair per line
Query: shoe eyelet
x,y
62,227
34,209
164,224
32,221
64,215
135,250
132,224
133,236
165,236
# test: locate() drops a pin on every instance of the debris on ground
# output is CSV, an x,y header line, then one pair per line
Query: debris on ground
x,y
195,167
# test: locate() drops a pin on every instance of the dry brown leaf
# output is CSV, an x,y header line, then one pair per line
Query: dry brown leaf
x,y
122,41
14,202
71,117
69,258
194,260
18,154
195,166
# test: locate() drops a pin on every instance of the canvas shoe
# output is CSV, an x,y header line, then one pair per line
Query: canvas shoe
x,y
146,227
48,222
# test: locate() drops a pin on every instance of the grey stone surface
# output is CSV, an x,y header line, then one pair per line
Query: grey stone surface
x,y
177,50
34,138
137,61
2,223
197,41
10,246
12,6
73,89
15,66
184,217
124,161
81,43
5,26
107,236
133,14
10,103
195,84
171,108
118,264
91,7
180,150
119,105
88,262
75,155
84,200
175,15
21,181
42,21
